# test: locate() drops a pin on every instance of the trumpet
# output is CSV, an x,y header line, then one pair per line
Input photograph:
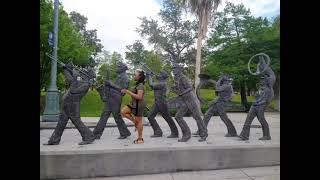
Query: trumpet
x,y
81,71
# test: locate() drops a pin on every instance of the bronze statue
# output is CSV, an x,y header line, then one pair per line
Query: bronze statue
x,y
111,94
217,107
160,105
263,99
188,102
79,85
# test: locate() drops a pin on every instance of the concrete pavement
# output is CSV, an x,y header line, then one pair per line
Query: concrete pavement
x,y
256,173
216,131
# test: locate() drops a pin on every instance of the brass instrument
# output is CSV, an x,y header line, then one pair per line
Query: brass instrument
x,y
262,56
204,80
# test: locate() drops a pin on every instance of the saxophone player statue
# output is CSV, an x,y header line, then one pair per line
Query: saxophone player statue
x,y
111,94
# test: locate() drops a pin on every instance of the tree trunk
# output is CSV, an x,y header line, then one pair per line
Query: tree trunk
x,y
243,93
198,59
248,91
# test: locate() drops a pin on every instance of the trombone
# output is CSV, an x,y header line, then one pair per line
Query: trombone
x,y
144,65
81,71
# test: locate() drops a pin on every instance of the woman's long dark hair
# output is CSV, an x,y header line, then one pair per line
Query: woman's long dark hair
x,y
142,77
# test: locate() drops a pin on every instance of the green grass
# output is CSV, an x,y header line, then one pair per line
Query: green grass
x,y
209,94
91,104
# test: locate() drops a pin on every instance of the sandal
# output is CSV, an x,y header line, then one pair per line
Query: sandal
x,y
138,141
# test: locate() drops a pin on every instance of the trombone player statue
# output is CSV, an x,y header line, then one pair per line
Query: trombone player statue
x,y
262,100
217,107
79,83
160,104
110,93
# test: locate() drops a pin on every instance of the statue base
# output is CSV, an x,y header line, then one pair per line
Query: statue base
x,y
110,156
50,118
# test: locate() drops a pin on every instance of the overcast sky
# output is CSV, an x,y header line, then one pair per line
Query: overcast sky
x,y
116,20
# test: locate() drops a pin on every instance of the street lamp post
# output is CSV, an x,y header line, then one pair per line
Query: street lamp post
x,y
51,112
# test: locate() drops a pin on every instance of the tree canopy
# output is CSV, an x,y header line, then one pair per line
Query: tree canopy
x,y
76,44
172,35
236,37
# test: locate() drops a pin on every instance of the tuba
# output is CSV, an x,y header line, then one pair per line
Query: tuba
x,y
204,80
262,57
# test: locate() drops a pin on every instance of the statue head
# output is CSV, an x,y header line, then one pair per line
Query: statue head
x,y
75,72
162,75
177,70
225,79
121,67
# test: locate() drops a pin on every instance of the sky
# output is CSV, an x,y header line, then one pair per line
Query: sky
x,y
116,20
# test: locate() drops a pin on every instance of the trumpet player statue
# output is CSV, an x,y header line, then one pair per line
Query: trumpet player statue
x,y
79,86
217,107
182,87
160,105
262,101
111,94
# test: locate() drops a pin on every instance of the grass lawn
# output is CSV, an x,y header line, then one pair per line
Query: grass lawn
x,y
91,104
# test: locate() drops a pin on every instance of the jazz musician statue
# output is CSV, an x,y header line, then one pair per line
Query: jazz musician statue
x,y
218,106
79,86
182,87
263,99
111,94
160,105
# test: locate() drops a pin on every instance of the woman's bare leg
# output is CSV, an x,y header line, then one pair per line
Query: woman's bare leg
x,y
126,112
139,126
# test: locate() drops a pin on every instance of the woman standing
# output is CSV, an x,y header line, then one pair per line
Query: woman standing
x,y
134,110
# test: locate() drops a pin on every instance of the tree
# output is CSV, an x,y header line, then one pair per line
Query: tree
x,y
71,42
203,9
71,46
93,41
235,39
79,21
110,64
135,54
228,40
46,25
89,36
172,35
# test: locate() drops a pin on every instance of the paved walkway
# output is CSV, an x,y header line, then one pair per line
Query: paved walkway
x,y
256,173
216,131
